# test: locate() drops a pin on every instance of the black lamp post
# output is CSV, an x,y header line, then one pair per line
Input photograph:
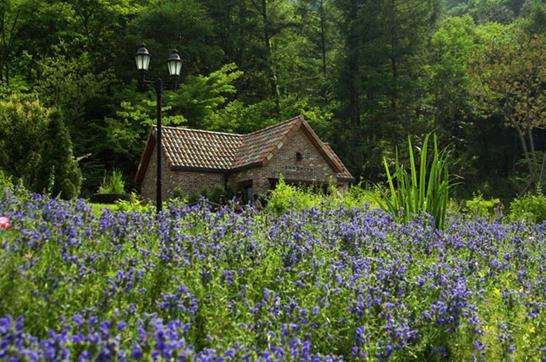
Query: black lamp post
x,y
174,64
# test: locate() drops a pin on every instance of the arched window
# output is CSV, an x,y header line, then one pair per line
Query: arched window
x,y
299,156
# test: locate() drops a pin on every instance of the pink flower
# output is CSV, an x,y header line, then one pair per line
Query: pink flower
x,y
4,223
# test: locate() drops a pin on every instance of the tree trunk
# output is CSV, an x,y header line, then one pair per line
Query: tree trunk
x,y
541,178
269,58
532,146
323,37
240,44
532,175
7,43
394,61
354,89
537,174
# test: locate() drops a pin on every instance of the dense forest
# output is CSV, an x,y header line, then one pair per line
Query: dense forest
x,y
365,74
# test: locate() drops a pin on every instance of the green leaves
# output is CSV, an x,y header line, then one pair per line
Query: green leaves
x,y
113,184
35,147
424,189
201,96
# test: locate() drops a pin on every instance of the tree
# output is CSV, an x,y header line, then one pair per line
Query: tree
x,y
510,80
184,25
484,11
451,45
12,17
381,76
274,19
60,174
482,161
305,52
71,86
201,96
23,121
36,147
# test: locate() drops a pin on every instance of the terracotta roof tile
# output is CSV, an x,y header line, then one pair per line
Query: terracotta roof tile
x,y
257,146
200,149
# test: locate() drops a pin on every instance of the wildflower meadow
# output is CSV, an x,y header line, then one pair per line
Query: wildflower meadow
x,y
203,284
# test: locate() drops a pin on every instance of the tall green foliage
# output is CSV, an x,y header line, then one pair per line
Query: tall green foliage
x,y
64,177
23,121
422,189
35,147
381,71
363,72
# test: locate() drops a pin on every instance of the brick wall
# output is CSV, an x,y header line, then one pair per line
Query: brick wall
x,y
312,168
188,182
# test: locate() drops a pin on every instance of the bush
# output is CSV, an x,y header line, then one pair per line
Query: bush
x,y
480,207
288,197
113,184
360,196
529,207
5,181
217,195
35,147
132,205
64,177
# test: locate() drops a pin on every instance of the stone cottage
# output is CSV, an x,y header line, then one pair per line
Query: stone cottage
x,y
196,160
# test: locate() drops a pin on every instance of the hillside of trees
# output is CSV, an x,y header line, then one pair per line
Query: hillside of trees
x,y
365,74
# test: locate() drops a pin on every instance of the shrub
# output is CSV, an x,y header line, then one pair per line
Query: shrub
x,y
529,207
23,122
5,181
217,195
480,207
35,147
361,196
113,184
132,205
64,177
288,197
419,191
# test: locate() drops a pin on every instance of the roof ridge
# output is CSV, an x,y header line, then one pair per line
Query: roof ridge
x,y
293,119
297,118
203,131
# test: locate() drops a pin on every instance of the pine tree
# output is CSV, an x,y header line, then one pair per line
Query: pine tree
x,y
380,79
60,174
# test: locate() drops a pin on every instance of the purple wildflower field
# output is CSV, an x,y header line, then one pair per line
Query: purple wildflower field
x,y
218,285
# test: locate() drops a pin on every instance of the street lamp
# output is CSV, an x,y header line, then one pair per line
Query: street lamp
x,y
174,64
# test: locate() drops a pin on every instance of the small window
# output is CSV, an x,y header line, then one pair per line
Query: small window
x,y
299,156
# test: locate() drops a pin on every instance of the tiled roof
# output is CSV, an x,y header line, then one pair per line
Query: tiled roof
x,y
200,149
257,146
217,151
